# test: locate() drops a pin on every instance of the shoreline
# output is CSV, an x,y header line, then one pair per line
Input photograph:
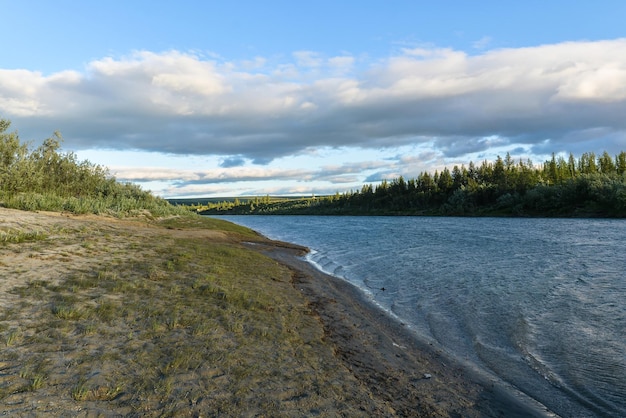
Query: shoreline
x,y
140,317
410,375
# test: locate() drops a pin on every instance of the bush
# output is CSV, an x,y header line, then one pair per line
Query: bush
x,y
46,179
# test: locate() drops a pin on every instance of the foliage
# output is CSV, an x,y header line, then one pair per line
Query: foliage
x,y
589,186
47,179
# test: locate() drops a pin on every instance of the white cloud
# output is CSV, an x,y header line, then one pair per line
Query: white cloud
x,y
289,173
181,103
18,92
341,65
606,83
210,176
202,190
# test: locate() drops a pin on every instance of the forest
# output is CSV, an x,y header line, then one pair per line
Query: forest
x,y
589,186
44,178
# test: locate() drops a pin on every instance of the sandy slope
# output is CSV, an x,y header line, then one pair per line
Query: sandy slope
x,y
293,341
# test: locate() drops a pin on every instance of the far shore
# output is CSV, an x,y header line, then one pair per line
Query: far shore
x,y
184,317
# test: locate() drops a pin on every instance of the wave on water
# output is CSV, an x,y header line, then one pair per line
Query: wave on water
x,y
327,266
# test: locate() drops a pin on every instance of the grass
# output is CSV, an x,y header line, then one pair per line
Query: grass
x,y
66,311
149,321
17,237
12,337
203,222
34,372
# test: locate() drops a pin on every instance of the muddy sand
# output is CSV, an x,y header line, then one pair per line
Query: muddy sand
x,y
108,317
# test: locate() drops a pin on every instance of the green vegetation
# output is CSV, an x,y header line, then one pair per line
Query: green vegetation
x,y
589,186
227,203
46,179
20,236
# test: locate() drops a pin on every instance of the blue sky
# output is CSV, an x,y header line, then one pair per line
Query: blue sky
x,y
203,98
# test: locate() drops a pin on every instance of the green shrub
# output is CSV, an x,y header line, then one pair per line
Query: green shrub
x,y
47,179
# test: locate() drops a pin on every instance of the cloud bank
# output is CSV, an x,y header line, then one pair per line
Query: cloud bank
x,y
561,97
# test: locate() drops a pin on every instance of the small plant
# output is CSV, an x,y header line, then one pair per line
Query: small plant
x,y
88,329
173,320
12,337
35,374
104,393
66,311
107,275
36,381
82,281
155,274
107,311
80,391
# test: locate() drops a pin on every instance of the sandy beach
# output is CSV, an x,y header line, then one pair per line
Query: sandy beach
x,y
109,317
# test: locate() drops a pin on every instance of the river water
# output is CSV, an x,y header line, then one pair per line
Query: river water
x,y
537,303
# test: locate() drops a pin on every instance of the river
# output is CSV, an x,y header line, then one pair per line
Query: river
x,y
537,303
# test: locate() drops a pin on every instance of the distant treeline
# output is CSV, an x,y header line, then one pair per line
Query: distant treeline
x,y
588,186
200,203
46,179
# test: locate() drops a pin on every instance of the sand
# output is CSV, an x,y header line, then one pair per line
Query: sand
x,y
375,365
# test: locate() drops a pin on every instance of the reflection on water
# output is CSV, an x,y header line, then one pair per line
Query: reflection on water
x,y
537,302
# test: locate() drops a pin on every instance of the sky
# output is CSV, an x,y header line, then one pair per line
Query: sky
x,y
245,98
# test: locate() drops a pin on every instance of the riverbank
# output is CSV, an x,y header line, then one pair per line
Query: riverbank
x,y
408,373
152,317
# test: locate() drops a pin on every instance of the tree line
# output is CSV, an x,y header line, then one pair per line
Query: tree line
x,y
44,178
591,185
